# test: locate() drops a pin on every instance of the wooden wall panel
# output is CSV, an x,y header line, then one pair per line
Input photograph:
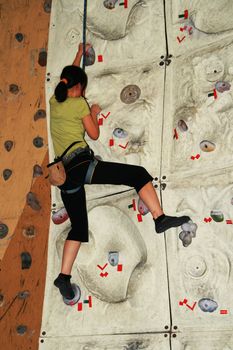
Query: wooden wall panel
x,y
22,95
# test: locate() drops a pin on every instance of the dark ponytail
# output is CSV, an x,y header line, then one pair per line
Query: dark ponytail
x,y
61,91
72,76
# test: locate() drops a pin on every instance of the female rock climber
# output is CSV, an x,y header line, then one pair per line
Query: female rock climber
x,y
70,118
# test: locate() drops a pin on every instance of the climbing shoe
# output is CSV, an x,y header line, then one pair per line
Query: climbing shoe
x,y
63,283
164,222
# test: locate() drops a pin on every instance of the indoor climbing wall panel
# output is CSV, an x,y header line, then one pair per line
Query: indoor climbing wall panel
x,y
199,264
121,273
197,165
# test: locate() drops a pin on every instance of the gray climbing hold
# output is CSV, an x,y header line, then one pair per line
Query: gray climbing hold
x,y
23,295
14,89
222,86
37,171
21,329
207,146
47,6
29,232
3,230
120,133
207,305
182,125
39,114
113,258
8,145
188,233
90,57
38,142
32,201
19,37
77,295
26,260
7,174
110,4
42,59
130,94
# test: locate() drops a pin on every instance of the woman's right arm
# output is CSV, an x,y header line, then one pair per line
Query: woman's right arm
x,y
90,123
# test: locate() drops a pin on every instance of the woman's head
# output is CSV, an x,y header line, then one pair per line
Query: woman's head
x,y
72,76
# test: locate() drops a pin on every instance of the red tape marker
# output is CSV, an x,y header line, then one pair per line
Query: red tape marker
x,y
139,217
183,302
80,306
215,94
195,157
186,14
104,274
180,39
175,134
102,268
100,121
207,219
90,301
119,267
124,147
191,307
223,312
105,116
100,58
111,142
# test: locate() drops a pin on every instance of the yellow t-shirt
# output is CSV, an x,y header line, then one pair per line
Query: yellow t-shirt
x,y
66,123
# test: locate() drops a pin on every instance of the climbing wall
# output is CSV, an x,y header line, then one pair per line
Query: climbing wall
x,y
162,76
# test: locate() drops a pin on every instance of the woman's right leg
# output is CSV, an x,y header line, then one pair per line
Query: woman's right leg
x,y
137,177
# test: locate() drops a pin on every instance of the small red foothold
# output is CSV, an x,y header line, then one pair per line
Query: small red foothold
x,y
197,156
139,217
119,267
80,306
100,58
229,222
111,142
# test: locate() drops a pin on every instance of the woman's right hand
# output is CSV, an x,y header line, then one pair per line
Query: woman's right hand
x,y
95,109
80,47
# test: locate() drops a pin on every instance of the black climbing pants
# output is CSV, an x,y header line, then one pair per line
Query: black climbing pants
x,y
104,173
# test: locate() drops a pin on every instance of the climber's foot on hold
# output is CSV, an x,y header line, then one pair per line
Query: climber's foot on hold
x,y
164,222
63,283
71,292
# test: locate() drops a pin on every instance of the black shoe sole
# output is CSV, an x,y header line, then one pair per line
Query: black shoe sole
x,y
183,220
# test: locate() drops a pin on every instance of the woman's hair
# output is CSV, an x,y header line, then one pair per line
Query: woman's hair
x,y
73,75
